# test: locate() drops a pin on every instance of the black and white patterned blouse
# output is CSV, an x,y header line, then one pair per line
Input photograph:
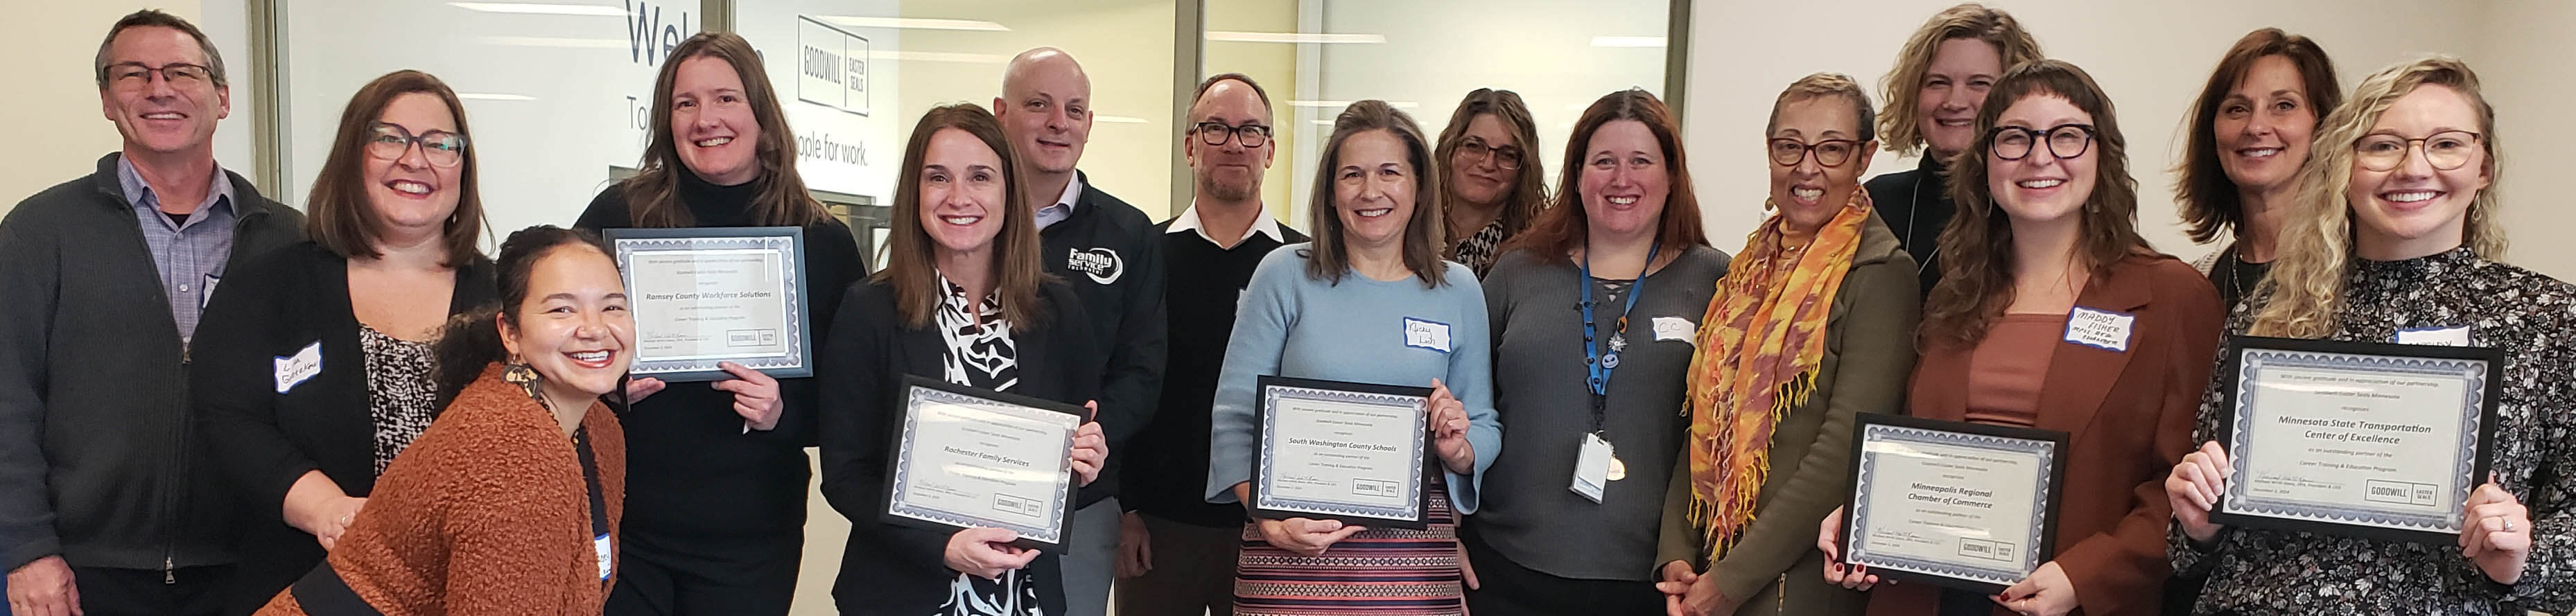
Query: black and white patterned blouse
x,y
2532,318
980,353
401,397
1477,251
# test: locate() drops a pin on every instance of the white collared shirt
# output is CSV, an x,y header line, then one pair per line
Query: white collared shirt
x,y
1063,208
1262,224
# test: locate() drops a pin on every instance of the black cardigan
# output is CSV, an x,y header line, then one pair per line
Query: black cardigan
x,y
898,570
263,440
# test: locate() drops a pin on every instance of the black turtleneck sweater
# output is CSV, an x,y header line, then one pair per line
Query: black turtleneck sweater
x,y
690,468
1916,205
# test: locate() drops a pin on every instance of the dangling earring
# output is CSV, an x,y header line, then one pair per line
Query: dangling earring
x,y
1768,206
516,372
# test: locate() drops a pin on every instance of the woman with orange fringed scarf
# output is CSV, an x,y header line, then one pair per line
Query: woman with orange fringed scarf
x,y
1812,325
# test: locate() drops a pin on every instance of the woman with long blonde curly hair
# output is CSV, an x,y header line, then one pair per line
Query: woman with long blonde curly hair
x,y
2393,240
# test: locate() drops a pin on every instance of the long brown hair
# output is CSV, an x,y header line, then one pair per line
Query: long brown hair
x,y
911,267
2209,200
340,216
1529,194
1560,229
779,198
1977,249
2306,287
1328,259
1903,86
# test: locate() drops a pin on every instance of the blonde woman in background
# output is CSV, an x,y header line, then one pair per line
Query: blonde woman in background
x,y
1933,96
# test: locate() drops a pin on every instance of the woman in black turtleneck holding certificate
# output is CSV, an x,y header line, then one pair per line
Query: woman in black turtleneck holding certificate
x,y
716,473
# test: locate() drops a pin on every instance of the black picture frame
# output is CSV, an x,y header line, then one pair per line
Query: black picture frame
x,y
898,466
1428,463
797,362
2043,542
2473,471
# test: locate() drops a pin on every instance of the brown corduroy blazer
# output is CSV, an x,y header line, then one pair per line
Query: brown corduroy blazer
x,y
2129,416
485,513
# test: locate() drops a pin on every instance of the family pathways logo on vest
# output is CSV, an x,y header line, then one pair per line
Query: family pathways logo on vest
x,y
1102,264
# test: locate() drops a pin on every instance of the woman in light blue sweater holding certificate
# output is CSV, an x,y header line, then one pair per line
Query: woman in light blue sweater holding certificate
x,y
1368,301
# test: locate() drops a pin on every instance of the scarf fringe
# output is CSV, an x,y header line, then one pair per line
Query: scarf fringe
x,y
1792,395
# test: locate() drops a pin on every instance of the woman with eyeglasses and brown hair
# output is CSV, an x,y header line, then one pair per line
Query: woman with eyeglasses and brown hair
x,y
1493,185
720,472
2393,237
313,369
2054,314
2249,134
1808,329
1933,95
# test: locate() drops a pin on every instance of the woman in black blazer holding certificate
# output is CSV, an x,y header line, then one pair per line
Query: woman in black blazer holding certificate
x,y
313,370
962,299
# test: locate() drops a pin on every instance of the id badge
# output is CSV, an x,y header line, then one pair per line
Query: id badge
x,y
1592,467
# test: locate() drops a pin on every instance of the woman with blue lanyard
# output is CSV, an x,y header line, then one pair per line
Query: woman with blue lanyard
x,y
1620,276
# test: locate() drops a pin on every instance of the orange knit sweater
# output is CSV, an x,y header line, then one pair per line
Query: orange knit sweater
x,y
486,513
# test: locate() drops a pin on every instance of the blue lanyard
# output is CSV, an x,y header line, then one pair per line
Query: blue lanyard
x,y
1600,364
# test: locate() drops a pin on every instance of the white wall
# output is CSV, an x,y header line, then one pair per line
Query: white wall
x,y
51,46
2522,61
2151,57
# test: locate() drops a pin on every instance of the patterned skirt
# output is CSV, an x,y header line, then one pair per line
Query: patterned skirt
x,y
1378,572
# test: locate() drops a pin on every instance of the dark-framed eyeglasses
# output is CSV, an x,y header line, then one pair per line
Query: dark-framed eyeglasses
x,y
2445,151
440,148
137,74
2064,140
1215,133
1788,152
1475,151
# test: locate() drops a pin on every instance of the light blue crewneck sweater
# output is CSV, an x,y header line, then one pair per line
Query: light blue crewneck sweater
x,y
1296,326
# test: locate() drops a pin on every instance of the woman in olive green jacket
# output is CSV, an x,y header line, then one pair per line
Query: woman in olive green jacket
x,y
1813,324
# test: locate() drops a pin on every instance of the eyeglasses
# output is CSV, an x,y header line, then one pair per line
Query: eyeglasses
x,y
2064,140
441,148
2446,150
1788,152
1474,151
1215,133
136,74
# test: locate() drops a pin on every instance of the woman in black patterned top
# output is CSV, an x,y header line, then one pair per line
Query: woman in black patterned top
x,y
1492,184
962,299
2393,232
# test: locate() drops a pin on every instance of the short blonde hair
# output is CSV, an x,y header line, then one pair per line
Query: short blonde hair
x,y
2305,292
1903,86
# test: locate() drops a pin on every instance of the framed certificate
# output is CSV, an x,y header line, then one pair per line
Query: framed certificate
x,y
1968,506
1355,452
717,294
968,458
2359,439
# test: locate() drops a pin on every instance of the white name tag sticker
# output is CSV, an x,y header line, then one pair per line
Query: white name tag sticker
x,y
1591,468
2435,336
293,370
600,545
1676,328
2101,329
1432,335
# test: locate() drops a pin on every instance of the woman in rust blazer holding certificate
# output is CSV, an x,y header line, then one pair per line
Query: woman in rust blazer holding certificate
x,y
2053,314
